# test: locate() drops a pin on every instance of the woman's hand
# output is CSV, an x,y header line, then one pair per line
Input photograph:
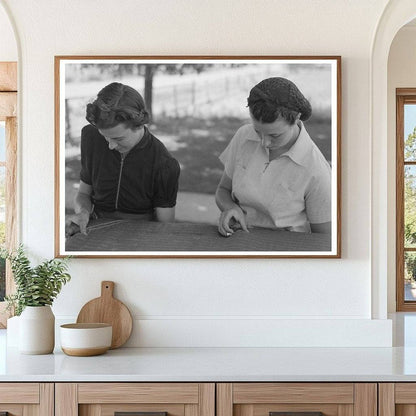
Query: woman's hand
x,y
78,222
231,220
80,219
232,217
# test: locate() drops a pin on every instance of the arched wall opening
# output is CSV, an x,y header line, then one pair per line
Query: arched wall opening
x,y
401,74
396,14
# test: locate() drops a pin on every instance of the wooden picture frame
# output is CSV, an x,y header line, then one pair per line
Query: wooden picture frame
x,y
197,103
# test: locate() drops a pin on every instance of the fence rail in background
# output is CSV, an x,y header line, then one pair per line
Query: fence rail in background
x,y
202,97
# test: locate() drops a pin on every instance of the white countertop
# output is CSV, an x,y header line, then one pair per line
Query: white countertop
x,y
222,364
213,364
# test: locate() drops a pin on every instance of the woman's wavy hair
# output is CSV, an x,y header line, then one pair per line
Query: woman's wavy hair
x,y
117,104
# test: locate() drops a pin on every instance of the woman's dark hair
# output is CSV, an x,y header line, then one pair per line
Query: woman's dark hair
x,y
117,104
274,97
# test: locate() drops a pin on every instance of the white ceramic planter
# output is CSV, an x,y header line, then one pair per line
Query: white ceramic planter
x,y
37,330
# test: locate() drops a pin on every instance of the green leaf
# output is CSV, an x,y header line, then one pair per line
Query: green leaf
x,y
35,286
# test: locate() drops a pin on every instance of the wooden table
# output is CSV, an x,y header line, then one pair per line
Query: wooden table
x,y
130,235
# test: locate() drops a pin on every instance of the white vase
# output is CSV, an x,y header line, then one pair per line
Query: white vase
x,y
37,330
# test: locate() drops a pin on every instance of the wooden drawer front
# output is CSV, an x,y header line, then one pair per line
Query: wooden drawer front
x,y
332,399
12,409
138,393
397,399
27,399
110,409
293,393
19,393
405,393
264,409
104,399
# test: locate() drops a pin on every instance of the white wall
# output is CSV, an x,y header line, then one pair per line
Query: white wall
x,y
401,74
179,302
8,47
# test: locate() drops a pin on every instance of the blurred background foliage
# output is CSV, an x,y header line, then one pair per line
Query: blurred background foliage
x,y
410,206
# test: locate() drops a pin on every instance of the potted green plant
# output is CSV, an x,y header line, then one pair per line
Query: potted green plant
x,y
36,289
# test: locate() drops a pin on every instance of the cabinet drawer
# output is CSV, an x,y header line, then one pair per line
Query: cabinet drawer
x,y
19,393
296,399
21,399
138,393
107,399
397,399
143,409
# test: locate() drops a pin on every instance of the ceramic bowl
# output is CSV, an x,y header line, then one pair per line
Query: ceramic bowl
x,y
83,340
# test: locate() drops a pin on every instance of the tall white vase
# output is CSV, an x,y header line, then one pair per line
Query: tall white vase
x,y
37,330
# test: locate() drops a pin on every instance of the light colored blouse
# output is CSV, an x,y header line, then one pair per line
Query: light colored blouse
x,y
290,192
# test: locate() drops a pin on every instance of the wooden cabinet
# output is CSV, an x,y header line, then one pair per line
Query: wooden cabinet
x,y
297,399
106,399
208,399
397,399
27,399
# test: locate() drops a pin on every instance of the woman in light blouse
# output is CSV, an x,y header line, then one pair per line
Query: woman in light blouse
x,y
274,175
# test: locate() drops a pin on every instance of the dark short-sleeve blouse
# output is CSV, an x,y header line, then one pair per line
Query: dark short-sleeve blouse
x,y
147,178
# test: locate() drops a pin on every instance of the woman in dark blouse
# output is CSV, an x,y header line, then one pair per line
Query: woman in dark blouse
x,y
126,172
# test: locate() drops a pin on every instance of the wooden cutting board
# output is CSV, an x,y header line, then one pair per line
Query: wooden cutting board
x,y
107,309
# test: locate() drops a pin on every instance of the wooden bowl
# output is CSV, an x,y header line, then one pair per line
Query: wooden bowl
x,y
84,340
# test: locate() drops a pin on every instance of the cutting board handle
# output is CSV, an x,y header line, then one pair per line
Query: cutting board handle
x,y
107,289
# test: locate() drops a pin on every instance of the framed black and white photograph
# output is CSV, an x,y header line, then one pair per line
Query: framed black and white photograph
x,y
198,156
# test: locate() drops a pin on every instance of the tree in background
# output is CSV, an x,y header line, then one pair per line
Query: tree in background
x,y
97,72
148,88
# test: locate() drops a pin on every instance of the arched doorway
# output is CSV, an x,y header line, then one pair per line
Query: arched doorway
x,y
396,14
